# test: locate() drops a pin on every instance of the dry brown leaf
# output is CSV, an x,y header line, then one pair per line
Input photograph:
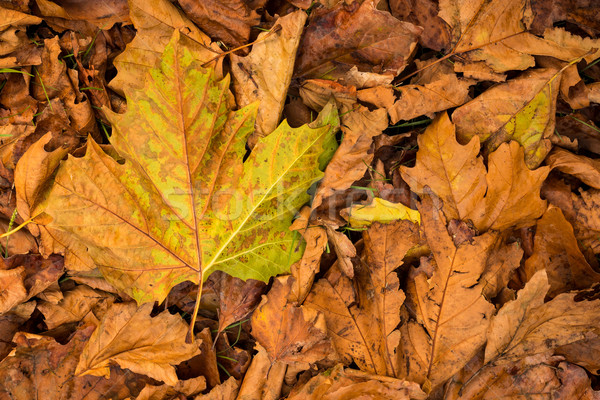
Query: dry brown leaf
x,y
264,379
522,109
227,20
103,14
478,70
437,92
155,22
455,173
357,34
447,298
226,391
237,298
185,388
581,12
42,368
13,291
289,333
512,198
476,23
13,37
203,364
18,107
527,326
363,328
585,352
316,93
266,72
580,128
128,336
31,174
75,305
25,276
436,33
353,156
338,383
584,168
587,215
545,379
582,211
557,252
308,266
10,322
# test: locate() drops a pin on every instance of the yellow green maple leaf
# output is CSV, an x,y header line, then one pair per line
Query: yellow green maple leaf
x,y
184,203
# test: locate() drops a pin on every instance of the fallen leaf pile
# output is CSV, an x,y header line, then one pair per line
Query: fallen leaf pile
x,y
330,199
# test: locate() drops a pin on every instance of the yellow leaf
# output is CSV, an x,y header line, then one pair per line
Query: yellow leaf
x,y
383,211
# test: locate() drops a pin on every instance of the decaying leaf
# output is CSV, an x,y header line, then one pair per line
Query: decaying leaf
x,y
340,383
585,169
266,72
556,251
183,204
455,173
477,23
155,22
227,20
448,300
129,337
365,37
522,109
527,326
363,325
237,298
42,368
426,94
289,333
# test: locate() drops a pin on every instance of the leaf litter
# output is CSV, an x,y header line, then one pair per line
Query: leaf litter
x,y
268,199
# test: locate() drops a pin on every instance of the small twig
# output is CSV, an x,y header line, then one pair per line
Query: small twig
x,y
275,29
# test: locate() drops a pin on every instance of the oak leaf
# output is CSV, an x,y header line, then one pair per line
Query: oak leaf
x,y
508,195
363,325
447,295
129,337
455,173
183,204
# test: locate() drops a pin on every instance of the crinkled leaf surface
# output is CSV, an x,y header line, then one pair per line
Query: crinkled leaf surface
x,y
184,204
128,336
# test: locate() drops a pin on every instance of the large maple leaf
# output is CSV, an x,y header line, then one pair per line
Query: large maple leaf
x,y
184,203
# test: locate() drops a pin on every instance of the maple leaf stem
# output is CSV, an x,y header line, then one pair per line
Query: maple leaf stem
x,y
18,228
190,336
